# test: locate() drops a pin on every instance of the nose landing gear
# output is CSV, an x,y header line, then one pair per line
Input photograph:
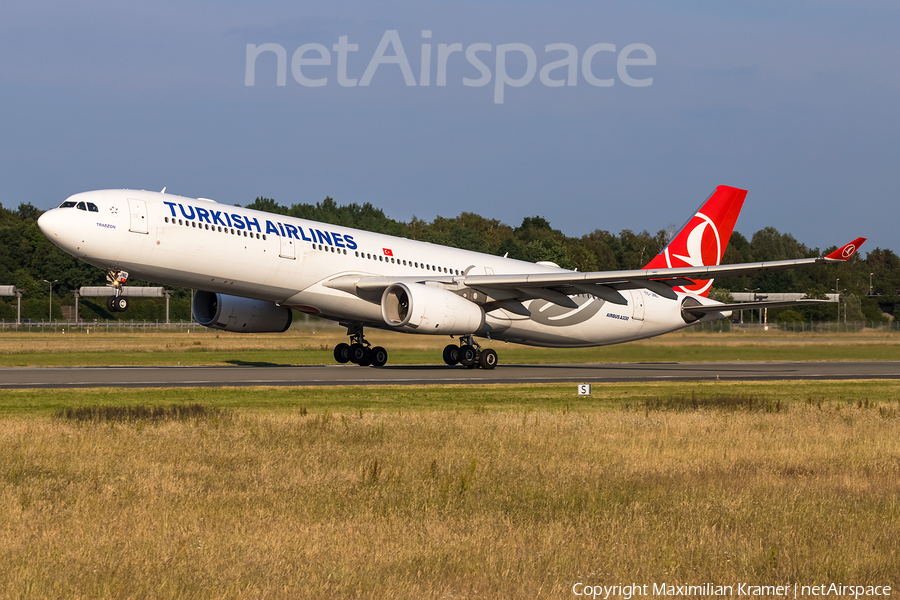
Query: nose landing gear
x,y
469,354
358,351
118,302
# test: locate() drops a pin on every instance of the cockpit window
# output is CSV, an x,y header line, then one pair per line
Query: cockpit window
x,y
67,204
81,206
92,207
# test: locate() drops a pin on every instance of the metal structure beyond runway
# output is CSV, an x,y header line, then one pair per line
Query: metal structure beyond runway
x,y
335,375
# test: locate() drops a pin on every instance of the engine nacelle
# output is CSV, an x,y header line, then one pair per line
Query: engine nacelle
x,y
428,309
245,315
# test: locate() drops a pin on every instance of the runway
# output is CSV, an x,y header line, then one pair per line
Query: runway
x,y
333,375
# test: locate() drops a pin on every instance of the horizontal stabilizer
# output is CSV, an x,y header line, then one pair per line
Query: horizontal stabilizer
x,y
701,309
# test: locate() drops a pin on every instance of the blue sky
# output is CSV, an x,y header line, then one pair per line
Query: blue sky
x,y
796,102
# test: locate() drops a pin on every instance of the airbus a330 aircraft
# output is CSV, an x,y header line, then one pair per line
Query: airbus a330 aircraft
x,y
251,268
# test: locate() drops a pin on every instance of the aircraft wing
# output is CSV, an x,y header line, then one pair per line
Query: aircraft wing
x,y
508,291
662,275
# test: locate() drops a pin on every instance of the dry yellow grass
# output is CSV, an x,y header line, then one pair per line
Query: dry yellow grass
x,y
448,504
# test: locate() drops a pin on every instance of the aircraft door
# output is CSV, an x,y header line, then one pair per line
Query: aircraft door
x,y
637,304
138,212
287,248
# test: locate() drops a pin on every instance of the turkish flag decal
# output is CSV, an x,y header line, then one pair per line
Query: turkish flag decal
x,y
387,252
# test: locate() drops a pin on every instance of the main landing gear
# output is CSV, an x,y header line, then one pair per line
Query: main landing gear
x,y
116,279
469,354
359,351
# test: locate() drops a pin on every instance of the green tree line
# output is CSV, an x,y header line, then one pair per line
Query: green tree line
x,y
27,258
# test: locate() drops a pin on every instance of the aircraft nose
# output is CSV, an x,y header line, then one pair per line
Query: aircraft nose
x,y
49,223
56,225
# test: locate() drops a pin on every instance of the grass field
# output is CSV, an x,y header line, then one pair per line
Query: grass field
x,y
490,491
314,346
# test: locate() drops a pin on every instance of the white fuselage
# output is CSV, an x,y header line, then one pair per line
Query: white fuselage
x,y
204,245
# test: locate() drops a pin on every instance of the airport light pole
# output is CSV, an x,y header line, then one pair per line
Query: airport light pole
x,y
50,316
870,283
754,290
838,291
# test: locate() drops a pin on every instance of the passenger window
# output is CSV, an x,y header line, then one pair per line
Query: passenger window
x,y
93,207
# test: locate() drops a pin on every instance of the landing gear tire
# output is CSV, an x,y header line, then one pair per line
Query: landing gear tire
x,y
451,354
357,353
117,304
379,356
342,353
487,359
366,359
468,356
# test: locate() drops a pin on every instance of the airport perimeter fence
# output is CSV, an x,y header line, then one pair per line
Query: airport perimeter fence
x,y
138,327
313,323
800,327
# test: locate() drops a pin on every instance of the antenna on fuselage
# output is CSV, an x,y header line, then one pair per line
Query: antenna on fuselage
x,y
163,191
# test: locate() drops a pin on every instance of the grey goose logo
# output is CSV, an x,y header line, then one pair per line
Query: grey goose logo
x,y
553,315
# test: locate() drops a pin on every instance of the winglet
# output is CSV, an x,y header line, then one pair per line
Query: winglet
x,y
845,252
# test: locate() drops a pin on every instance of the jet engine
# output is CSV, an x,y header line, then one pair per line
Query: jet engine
x,y
244,315
428,309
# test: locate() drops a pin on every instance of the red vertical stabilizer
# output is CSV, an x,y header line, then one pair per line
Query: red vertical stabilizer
x,y
703,239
